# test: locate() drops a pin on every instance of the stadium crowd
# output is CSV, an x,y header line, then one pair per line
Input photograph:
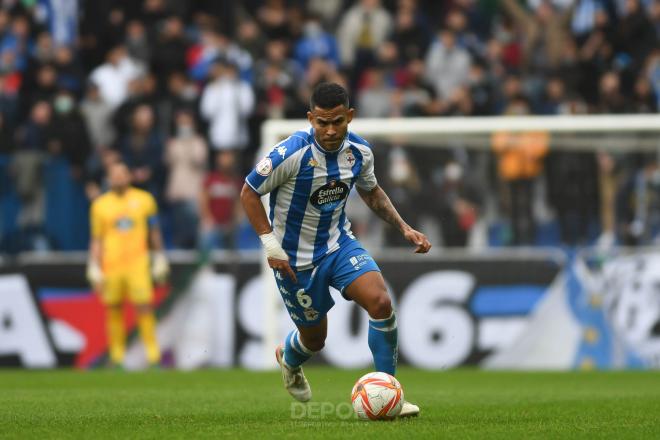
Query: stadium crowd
x,y
178,90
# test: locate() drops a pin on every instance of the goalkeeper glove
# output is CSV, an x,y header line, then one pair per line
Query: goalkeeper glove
x,y
94,273
160,268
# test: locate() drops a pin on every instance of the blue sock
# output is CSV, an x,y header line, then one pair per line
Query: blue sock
x,y
383,343
295,353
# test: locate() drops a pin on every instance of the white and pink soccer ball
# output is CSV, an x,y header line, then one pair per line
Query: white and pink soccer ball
x,y
377,396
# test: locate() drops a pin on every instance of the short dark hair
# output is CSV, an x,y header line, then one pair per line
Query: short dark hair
x,y
328,95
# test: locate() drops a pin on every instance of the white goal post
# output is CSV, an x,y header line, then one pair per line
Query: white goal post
x,y
434,130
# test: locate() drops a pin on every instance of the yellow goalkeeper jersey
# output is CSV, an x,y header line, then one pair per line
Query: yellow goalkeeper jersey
x,y
122,223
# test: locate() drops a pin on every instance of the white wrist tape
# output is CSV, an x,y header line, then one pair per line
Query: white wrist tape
x,y
272,247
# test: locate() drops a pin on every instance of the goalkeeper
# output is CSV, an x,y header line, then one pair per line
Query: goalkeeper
x,y
124,223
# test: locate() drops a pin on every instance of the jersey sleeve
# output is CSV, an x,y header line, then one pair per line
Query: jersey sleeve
x,y
96,223
151,210
367,179
274,169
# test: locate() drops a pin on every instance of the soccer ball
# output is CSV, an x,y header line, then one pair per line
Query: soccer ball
x,y
377,396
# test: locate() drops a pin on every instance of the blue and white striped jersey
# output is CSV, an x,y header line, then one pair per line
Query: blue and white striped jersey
x,y
308,188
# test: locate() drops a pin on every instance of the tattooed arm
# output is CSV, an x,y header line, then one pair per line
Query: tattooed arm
x,y
380,203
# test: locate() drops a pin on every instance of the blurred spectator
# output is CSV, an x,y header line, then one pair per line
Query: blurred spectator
x,y
511,91
611,100
414,96
276,78
316,43
43,50
136,42
6,140
457,202
545,32
404,187
9,100
519,162
98,116
114,76
169,51
96,182
272,17
375,98
142,151
553,97
226,103
636,34
411,39
327,10
33,143
218,204
181,94
43,89
481,90
643,100
638,205
186,158
251,38
574,193
17,42
142,90
447,65
69,71
212,47
69,135
363,28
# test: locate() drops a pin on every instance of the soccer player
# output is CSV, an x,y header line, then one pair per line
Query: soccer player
x,y
123,223
308,240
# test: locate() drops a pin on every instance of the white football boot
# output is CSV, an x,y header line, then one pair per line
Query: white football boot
x,y
294,379
409,410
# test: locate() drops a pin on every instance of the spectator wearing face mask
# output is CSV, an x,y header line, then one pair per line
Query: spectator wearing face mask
x,y
186,158
70,134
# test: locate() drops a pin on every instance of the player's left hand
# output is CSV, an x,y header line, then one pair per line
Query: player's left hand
x,y
418,239
160,268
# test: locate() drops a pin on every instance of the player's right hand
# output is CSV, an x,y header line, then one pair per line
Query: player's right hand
x,y
94,273
277,257
284,267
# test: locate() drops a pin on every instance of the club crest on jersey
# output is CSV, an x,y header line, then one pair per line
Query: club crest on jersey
x,y
330,195
264,167
124,223
311,314
350,158
312,162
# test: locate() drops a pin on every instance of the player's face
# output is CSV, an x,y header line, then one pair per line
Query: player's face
x,y
330,125
119,177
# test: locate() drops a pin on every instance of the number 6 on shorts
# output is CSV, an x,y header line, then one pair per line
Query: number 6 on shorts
x,y
304,300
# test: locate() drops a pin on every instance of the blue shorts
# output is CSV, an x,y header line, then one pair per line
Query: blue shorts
x,y
309,300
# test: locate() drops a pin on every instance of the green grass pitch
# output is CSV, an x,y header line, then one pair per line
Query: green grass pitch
x,y
244,404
